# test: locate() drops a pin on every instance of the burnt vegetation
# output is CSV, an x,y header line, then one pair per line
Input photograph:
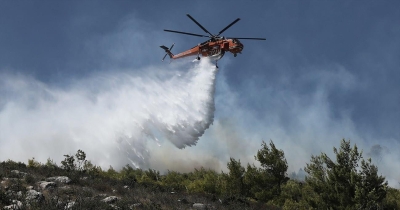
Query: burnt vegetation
x,y
346,182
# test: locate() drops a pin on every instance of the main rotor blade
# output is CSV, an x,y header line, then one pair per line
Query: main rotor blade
x,y
222,31
180,32
246,38
204,29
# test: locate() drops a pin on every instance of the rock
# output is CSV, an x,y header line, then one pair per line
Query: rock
x,y
33,195
16,205
199,206
60,179
133,206
22,174
29,188
19,194
126,187
10,179
183,200
114,206
70,205
110,199
11,193
46,185
65,188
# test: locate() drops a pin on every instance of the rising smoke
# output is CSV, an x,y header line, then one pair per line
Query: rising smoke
x,y
112,117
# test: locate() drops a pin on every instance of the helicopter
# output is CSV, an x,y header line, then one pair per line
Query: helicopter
x,y
213,48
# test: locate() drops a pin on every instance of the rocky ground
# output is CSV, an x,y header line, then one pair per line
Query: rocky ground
x,y
32,189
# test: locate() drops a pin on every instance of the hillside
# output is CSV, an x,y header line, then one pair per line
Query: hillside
x,y
349,182
47,186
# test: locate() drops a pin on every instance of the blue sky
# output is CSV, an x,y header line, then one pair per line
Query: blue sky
x,y
328,69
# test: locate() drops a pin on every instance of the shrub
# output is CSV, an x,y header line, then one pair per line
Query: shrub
x,y
33,163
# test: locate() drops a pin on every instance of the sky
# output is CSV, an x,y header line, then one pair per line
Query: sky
x,y
328,70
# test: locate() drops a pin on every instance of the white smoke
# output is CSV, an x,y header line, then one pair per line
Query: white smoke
x,y
112,117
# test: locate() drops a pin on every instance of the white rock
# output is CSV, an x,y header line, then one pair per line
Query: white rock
x,y
19,173
65,188
110,199
115,206
61,179
16,205
199,206
133,206
46,185
70,205
33,195
19,194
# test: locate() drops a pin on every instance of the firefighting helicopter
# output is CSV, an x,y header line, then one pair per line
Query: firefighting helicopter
x,y
213,48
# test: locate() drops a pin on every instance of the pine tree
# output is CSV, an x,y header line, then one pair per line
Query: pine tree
x,y
266,183
235,182
340,185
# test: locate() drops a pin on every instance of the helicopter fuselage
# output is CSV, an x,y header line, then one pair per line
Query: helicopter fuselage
x,y
213,49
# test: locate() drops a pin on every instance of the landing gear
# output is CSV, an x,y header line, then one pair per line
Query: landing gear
x,y
216,64
198,53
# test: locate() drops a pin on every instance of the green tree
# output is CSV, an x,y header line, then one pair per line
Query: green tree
x,y
174,181
92,170
33,163
265,183
392,200
292,196
80,159
202,180
340,185
235,176
71,163
273,166
255,182
371,189
68,163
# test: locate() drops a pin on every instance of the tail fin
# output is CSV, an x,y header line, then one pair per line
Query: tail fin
x,y
168,51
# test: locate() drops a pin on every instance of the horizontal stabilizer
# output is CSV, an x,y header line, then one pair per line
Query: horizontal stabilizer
x,y
164,47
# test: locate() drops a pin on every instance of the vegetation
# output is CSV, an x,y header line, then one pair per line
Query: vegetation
x,y
348,182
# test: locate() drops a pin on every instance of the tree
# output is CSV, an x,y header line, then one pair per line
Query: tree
x,y
235,184
266,183
274,166
340,185
255,183
80,159
69,163
371,189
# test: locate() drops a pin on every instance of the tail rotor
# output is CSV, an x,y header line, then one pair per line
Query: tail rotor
x,y
168,51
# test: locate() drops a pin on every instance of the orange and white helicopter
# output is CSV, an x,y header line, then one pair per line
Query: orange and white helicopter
x,y
214,48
